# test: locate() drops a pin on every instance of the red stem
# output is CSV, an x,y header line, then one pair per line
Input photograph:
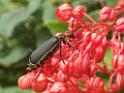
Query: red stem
x,y
90,18
104,69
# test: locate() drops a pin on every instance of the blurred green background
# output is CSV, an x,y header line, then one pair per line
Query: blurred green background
x,y
24,25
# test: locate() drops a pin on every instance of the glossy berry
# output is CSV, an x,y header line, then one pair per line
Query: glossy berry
x,y
95,85
39,84
58,87
64,12
99,53
116,82
24,82
119,7
79,12
120,24
107,14
121,2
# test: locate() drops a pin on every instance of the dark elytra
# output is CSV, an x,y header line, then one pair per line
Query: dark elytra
x,y
44,51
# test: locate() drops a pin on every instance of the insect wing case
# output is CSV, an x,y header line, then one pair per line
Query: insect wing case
x,y
44,50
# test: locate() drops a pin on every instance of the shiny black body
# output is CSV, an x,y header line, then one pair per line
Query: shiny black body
x,y
45,50
49,47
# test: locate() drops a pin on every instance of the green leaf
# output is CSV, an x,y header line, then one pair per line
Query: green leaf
x,y
79,2
48,12
56,26
94,15
108,58
111,2
15,55
1,47
42,34
122,36
4,4
10,19
121,91
90,5
14,89
104,76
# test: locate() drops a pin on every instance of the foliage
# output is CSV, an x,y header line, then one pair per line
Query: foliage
x,y
14,90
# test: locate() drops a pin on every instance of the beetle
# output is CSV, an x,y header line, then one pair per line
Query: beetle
x,y
48,48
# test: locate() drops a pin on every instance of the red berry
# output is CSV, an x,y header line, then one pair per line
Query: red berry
x,y
95,84
24,82
119,7
73,24
79,11
120,2
120,24
64,12
120,21
107,14
99,53
58,87
116,82
39,84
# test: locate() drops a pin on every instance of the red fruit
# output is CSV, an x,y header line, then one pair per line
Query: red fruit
x,y
64,12
39,84
120,24
58,87
100,52
95,85
120,21
116,81
79,11
119,7
115,44
115,61
121,61
73,24
24,82
95,82
107,14
121,2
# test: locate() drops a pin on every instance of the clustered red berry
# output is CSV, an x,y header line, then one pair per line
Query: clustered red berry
x,y
79,73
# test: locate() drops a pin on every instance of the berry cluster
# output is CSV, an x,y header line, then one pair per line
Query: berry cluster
x,y
92,39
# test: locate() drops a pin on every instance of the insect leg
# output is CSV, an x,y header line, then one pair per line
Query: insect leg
x,y
71,46
60,49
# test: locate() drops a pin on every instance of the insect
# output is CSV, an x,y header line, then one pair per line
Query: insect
x,y
48,48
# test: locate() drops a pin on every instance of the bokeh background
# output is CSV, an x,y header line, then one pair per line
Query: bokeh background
x,y
24,25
